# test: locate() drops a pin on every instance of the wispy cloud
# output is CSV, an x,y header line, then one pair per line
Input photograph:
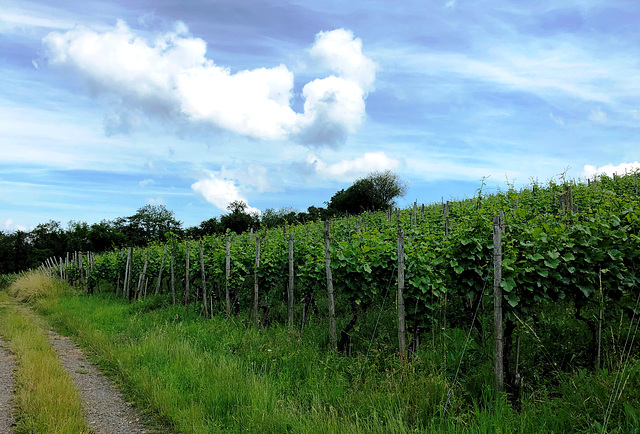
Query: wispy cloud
x,y
598,116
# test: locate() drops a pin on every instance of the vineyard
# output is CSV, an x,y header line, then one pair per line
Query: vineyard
x,y
408,280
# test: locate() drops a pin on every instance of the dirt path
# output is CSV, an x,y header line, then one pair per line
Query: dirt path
x,y
106,411
7,383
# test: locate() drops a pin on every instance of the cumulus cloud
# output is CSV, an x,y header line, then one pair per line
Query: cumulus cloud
x,y
171,76
348,170
341,52
590,171
220,192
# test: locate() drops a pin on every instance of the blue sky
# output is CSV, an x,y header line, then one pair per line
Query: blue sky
x,y
106,106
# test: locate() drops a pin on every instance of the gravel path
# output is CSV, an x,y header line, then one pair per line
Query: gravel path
x,y
7,383
106,411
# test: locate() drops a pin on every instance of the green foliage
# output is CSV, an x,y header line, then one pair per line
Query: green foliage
x,y
238,220
374,192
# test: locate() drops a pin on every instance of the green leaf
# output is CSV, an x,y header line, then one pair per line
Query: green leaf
x,y
552,263
508,284
512,299
536,257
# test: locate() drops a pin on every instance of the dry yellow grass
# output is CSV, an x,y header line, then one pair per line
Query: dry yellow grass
x,y
33,285
46,399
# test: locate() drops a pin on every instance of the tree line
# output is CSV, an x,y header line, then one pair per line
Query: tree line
x,y
21,250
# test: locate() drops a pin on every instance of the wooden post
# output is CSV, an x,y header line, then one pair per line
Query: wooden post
x,y
414,220
143,275
290,286
164,252
401,315
127,274
173,275
600,314
82,280
185,295
498,222
256,287
227,275
118,278
204,283
93,259
66,268
446,219
332,310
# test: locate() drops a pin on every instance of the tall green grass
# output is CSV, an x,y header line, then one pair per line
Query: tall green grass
x,y
199,376
217,375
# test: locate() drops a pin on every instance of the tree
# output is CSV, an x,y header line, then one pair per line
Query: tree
x,y
272,217
207,227
47,240
238,220
377,191
149,223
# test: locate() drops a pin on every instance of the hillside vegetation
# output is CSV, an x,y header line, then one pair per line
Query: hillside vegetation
x,y
210,349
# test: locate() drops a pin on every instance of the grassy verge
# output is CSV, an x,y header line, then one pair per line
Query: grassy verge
x,y
46,399
217,375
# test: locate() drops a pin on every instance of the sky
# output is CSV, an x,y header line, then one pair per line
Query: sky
x,y
107,106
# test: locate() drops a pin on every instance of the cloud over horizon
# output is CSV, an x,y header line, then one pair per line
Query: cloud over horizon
x,y
350,170
171,77
220,192
590,171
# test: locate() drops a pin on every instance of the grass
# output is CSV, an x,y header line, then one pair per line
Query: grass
x,y
34,285
199,376
46,399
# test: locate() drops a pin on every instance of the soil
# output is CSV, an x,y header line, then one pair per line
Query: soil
x,y
7,384
106,410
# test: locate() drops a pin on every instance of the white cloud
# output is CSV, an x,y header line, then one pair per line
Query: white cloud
x,y
171,76
341,52
155,201
220,192
146,182
598,116
348,170
10,226
253,175
590,171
